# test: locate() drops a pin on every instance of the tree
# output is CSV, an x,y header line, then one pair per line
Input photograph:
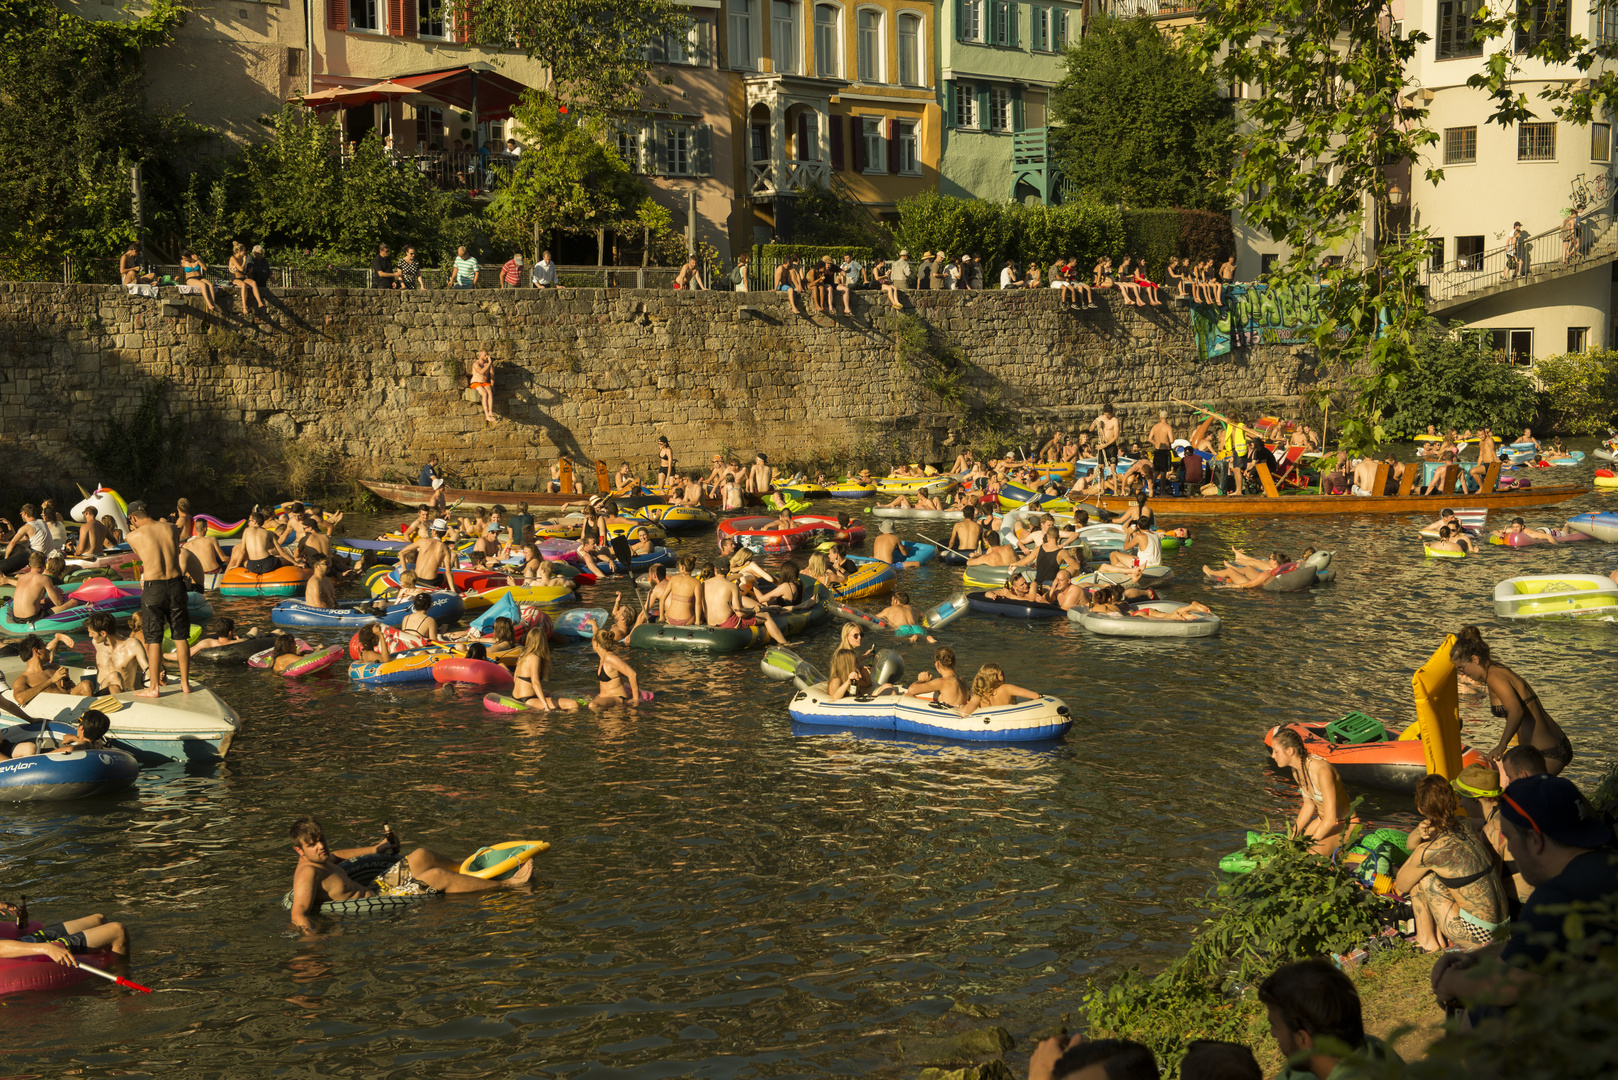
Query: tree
x,y
597,51
1458,381
1312,154
1138,121
72,122
1579,391
567,178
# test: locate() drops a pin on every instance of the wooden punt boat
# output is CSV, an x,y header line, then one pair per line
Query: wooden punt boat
x,y
1319,505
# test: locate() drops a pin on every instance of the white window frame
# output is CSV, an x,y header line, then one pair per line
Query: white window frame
x,y
972,20
446,30
685,135
908,132
742,13
966,107
1001,108
871,131
879,51
794,52
379,16
833,54
629,144
916,54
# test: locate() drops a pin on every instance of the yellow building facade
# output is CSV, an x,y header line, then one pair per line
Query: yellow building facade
x,y
841,94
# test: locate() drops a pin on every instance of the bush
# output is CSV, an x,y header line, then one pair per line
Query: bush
x,y
999,231
813,252
1578,391
1458,381
1295,905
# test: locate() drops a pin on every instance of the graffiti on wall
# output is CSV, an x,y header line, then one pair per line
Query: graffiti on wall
x,y
1256,315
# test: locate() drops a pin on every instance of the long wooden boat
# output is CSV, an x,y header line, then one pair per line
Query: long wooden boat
x,y
411,495
1319,505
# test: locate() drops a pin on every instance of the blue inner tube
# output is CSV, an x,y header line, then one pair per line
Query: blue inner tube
x,y
55,777
1012,609
447,607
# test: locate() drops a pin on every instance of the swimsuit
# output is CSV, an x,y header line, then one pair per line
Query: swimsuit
x,y
736,622
160,602
262,566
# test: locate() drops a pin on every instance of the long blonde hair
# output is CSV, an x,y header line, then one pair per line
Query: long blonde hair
x,y
818,568
990,677
845,663
849,630
537,643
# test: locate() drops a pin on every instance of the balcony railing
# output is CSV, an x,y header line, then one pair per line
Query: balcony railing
x,y
467,171
1151,9
800,176
1551,250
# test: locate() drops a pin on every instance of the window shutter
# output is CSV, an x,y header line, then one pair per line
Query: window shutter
x,y
408,26
395,18
1016,107
985,122
805,151
1013,23
463,26
704,151
657,161
960,19
949,103
856,132
834,128
893,145
657,49
702,43
337,14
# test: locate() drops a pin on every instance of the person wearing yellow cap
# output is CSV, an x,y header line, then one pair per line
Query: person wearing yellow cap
x,y
1478,787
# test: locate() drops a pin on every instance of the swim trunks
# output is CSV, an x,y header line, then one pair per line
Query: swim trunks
x,y
1107,455
397,880
1162,460
910,630
262,566
736,622
57,932
164,602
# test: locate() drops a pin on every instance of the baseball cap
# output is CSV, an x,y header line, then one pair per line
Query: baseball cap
x,y
1554,808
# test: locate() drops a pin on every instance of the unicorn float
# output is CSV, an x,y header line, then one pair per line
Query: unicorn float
x,y
109,506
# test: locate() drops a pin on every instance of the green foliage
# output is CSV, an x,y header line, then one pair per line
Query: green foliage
x,y
999,231
1294,905
1159,235
1139,120
144,452
1311,157
595,50
1579,391
73,120
821,217
1458,381
567,178
813,252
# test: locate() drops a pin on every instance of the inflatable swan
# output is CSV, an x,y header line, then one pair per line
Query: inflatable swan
x,y
110,507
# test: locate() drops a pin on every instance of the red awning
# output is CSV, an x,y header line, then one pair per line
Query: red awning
x,y
496,94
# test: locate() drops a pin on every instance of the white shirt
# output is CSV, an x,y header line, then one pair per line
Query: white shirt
x,y
544,272
851,272
1007,281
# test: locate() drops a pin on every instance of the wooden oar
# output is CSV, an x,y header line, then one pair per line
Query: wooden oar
x,y
944,547
1221,418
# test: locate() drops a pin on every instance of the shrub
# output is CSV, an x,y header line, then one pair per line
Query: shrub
x,y
1458,381
999,231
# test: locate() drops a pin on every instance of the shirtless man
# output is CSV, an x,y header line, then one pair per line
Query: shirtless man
x,y
722,601
429,557
120,658
1452,538
996,554
312,543
163,594
886,548
419,527
1064,592
259,552
1106,429
758,477
903,618
1517,526
1364,477
320,875
1162,439
42,676
1488,455
201,558
321,591
967,533
946,687
93,536
37,594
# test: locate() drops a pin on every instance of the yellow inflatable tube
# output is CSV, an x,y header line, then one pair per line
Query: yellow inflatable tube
x,y
1438,716
500,860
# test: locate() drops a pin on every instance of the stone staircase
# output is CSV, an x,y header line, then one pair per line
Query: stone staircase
x,y
1452,290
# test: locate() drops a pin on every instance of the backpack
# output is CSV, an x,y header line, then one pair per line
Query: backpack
x,y
736,275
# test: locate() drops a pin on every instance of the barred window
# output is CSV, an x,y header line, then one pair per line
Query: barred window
x,y
1536,142
1460,145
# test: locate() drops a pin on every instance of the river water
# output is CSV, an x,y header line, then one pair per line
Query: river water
x,y
726,896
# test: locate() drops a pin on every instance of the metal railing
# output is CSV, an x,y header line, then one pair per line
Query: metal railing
x,y
1555,249
1151,9
360,277
476,174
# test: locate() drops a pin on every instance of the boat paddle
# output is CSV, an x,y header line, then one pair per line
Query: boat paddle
x,y
110,977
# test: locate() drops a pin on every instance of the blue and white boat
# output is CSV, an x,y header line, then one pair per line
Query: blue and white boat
x,y
173,726
1041,719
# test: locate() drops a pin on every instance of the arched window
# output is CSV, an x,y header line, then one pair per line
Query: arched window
x,y
828,41
869,46
910,55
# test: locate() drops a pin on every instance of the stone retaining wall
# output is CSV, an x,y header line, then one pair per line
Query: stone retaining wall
x,y
379,378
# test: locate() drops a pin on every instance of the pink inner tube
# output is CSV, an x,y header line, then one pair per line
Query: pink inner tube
x,y
97,589
1563,536
23,973
319,660
477,672
262,659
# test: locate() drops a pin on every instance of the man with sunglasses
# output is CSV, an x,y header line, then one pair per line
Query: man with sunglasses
x,y
1563,848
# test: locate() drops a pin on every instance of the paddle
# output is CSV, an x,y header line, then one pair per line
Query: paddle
x,y
944,547
110,977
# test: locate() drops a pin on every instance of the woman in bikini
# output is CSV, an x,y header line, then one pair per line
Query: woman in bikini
x,y
1146,283
1513,700
665,461
243,282
483,383
789,589
418,623
194,272
284,653
614,676
1450,876
990,689
1102,275
533,668
1325,800
129,268
374,646
848,677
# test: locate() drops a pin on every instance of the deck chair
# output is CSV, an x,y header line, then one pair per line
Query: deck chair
x,y
1409,480
1291,474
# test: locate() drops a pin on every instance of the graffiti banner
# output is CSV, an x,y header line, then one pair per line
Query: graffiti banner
x,y
1256,315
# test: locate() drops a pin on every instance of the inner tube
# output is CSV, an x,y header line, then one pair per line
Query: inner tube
x,y
946,612
579,623
1436,554
1131,625
782,664
1298,578
855,615
364,870
235,652
36,972
77,775
319,660
461,669
1013,609
499,861
1522,539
